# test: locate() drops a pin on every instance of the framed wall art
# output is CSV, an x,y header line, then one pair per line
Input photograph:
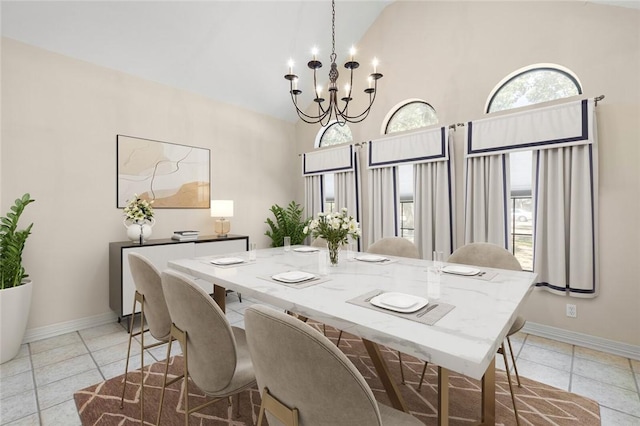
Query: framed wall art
x,y
172,175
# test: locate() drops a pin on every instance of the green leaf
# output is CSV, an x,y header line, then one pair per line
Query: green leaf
x,y
12,242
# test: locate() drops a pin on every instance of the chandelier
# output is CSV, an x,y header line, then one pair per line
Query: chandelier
x,y
333,110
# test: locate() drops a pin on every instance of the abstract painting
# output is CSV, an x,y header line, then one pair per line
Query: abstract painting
x,y
172,175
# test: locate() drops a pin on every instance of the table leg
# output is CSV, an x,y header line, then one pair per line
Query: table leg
x,y
385,377
443,396
489,394
220,296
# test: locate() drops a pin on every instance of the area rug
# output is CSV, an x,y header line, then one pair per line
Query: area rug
x,y
538,404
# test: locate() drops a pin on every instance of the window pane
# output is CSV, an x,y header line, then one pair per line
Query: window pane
x,y
413,115
336,134
532,87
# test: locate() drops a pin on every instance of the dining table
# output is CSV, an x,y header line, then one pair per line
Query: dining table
x,y
474,307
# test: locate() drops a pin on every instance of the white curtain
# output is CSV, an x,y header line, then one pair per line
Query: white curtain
x,y
434,221
384,201
347,192
487,194
565,227
313,195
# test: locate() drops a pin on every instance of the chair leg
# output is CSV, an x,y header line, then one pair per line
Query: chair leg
x,y
513,359
237,397
126,367
424,370
164,381
401,368
513,397
339,337
142,362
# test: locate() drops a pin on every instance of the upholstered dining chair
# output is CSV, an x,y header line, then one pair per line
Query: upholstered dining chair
x,y
494,256
305,380
215,354
319,242
153,312
395,246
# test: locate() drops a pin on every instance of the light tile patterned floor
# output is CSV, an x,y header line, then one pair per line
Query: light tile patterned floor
x,y
36,388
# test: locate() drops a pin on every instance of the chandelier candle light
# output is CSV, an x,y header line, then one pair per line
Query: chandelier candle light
x,y
339,114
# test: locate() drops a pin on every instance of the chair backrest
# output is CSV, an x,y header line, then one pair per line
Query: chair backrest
x,y
485,254
319,242
394,246
146,278
304,370
211,346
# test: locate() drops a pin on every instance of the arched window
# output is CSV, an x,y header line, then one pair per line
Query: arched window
x,y
532,85
334,134
410,115
527,86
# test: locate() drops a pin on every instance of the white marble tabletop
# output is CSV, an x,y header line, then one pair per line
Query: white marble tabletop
x,y
465,340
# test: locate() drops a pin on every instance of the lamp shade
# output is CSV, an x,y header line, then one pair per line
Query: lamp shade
x,y
221,208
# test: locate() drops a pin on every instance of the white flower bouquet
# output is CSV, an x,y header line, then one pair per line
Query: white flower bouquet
x,y
335,228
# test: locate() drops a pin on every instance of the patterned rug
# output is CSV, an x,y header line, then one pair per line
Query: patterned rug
x,y
538,404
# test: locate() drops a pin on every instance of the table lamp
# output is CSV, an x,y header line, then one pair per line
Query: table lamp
x,y
222,209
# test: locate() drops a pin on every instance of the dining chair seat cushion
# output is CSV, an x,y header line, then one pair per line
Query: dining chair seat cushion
x,y
149,284
394,246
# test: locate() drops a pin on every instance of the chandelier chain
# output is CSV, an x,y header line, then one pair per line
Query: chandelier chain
x,y
333,31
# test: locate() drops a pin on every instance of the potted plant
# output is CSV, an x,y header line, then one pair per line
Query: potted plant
x,y
289,223
15,287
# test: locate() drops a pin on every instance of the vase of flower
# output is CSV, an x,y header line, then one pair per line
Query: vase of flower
x,y
138,219
335,228
139,231
334,249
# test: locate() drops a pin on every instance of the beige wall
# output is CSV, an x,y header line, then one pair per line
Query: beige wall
x,y
452,54
59,124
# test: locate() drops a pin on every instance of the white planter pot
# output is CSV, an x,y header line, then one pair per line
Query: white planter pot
x,y
15,304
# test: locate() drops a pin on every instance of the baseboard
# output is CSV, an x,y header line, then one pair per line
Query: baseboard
x,y
566,336
592,342
39,333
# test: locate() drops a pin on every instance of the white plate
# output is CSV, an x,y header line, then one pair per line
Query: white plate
x,y
227,261
306,249
460,270
293,276
371,258
399,302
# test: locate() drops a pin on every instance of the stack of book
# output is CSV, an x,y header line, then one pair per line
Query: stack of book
x,y
185,235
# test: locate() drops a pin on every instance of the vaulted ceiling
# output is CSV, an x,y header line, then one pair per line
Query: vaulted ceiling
x,y
231,51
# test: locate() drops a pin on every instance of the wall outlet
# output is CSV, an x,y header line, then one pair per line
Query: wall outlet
x,y
572,312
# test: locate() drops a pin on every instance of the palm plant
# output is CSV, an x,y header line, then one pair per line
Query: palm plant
x,y
12,240
289,223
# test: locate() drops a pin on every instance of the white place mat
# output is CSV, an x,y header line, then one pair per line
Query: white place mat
x,y
303,284
430,318
232,265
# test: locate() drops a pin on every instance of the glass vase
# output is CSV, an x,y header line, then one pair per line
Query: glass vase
x,y
334,249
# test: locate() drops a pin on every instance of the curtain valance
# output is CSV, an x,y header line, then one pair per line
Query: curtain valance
x,y
555,126
331,160
421,147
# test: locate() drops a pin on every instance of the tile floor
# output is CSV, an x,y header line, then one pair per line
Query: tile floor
x,y
37,387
